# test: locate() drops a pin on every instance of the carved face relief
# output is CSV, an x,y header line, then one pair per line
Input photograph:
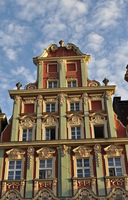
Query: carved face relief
x,y
45,152
82,151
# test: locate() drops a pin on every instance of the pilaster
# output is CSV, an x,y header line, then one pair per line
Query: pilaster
x,y
62,70
86,115
110,115
39,117
84,72
40,74
15,119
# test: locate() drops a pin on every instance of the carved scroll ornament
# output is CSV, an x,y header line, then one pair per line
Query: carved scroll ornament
x,y
45,152
15,153
82,151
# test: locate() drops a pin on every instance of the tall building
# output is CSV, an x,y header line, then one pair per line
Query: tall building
x,y
63,141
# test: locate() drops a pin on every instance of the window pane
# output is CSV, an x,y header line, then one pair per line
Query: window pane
x,y
10,175
24,138
79,162
117,162
42,174
55,84
111,172
47,134
53,107
69,84
18,175
50,84
49,163
79,173
86,172
77,106
74,84
49,173
72,107
78,132
86,162
118,171
42,163
24,131
110,162
18,164
11,164
47,107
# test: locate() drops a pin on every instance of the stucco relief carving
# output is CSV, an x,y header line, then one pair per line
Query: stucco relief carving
x,y
75,119
74,99
97,119
118,195
108,94
82,151
44,196
85,98
50,100
45,183
71,78
39,100
62,98
116,181
17,99
93,84
64,150
27,122
13,185
50,120
97,150
29,101
12,196
54,47
30,153
45,152
61,61
15,153
85,196
113,150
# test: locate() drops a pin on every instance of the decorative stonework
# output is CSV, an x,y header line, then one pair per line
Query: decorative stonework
x,y
17,99
82,61
45,184
12,196
118,195
61,61
30,153
97,150
27,122
50,119
62,98
68,47
15,153
82,151
45,152
85,182
13,185
52,79
84,195
108,94
116,181
71,78
93,84
74,99
75,119
29,100
50,100
31,86
113,150
85,98
54,47
64,150
39,100
44,196
97,119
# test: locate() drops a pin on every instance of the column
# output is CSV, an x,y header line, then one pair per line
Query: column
x,y
62,70
110,115
64,173
29,173
39,117
84,74
40,75
99,170
86,115
15,119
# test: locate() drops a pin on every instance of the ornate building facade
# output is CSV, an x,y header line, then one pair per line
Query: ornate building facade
x,y
63,141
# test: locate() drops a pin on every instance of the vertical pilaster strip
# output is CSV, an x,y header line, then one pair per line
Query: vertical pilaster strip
x,y
65,171
15,119
126,179
1,165
40,75
99,170
62,70
59,173
39,117
86,115
84,72
29,174
62,117
110,115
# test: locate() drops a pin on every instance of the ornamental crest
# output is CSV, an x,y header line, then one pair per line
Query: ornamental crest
x,y
97,118
45,196
27,122
85,196
82,151
75,119
45,152
64,150
15,153
12,196
113,150
50,120
118,195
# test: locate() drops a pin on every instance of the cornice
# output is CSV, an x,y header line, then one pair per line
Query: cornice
x,y
55,143
38,59
56,91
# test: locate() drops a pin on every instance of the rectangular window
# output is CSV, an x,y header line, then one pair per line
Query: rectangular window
x,y
50,107
45,169
74,107
115,168
83,168
50,134
14,171
27,135
71,83
52,84
75,133
99,131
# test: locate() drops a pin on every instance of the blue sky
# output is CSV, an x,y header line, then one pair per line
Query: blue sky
x,y
98,27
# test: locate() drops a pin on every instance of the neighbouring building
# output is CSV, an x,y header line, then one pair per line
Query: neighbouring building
x,y
63,141
3,121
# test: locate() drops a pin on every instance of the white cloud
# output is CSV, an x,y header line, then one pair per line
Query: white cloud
x,y
11,54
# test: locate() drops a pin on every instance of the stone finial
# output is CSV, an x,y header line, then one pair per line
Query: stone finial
x,y
105,81
61,42
126,75
18,85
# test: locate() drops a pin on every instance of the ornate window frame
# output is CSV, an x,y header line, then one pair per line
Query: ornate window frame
x,y
113,151
28,100
72,63
96,97
70,79
51,64
74,99
50,121
98,119
74,121
50,100
26,123
52,79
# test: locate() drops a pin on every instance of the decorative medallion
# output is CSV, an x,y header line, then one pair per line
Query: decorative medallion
x,y
54,47
118,195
